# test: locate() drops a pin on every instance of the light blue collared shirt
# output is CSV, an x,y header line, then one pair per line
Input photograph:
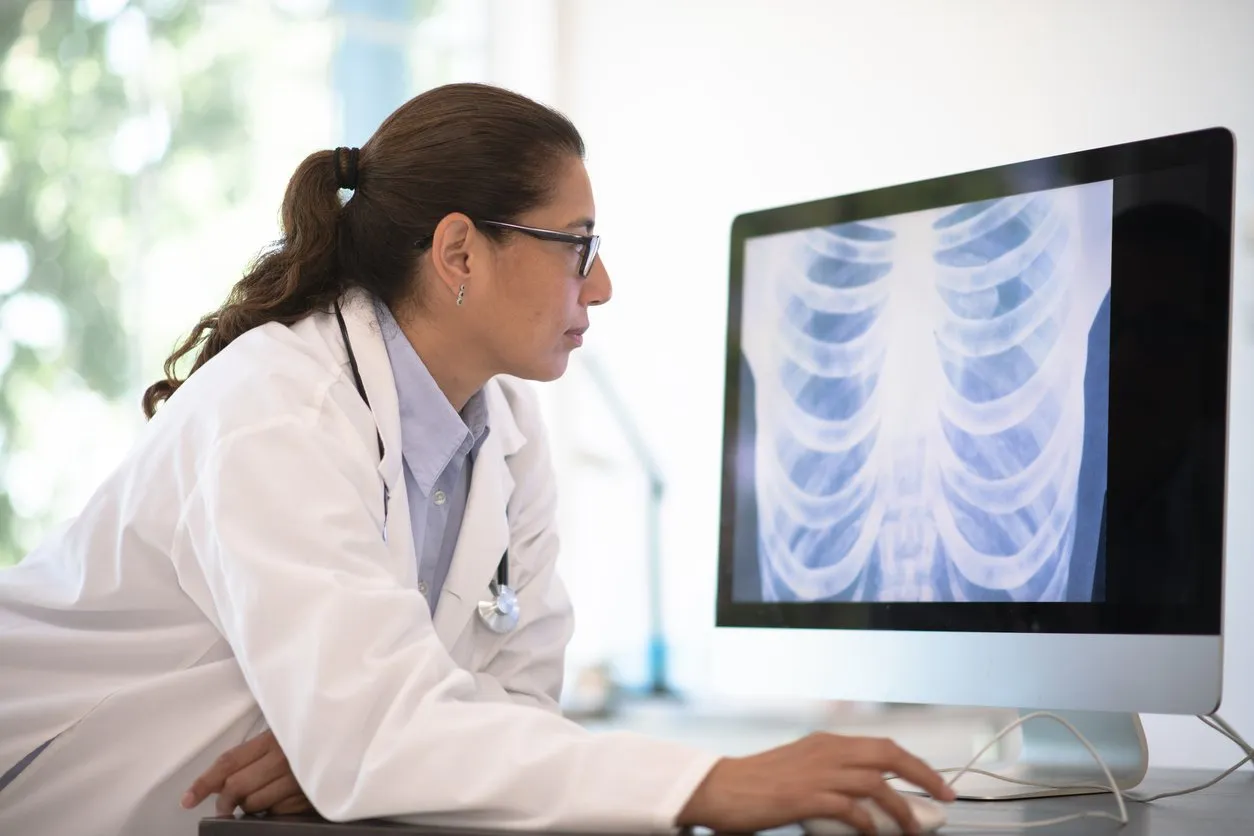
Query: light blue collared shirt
x,y
439,447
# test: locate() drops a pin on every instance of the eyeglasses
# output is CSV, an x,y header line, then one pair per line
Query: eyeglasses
x,y
588,244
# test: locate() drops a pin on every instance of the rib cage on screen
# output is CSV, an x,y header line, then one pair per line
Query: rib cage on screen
x,y
920,398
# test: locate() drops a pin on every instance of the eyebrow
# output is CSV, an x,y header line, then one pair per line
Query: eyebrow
x,y
586,223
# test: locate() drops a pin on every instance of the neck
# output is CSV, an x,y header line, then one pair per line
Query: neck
x,y
455,370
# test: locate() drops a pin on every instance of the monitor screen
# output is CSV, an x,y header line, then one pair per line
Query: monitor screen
x,y
993,401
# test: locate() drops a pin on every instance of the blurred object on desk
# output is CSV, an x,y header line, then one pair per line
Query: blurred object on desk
x,y
939,735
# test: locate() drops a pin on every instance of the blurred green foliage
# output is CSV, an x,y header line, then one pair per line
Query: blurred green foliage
x,y
99,101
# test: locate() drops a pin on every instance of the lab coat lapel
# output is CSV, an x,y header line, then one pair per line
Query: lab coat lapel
x,y
483,539
376,376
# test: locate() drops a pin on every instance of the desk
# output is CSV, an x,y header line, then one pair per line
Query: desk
x,y
1226,809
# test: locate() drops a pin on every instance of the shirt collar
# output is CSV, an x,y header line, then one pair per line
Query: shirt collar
x,y
432,433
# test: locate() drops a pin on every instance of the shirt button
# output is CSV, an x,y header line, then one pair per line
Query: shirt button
x,y
439,497
422,588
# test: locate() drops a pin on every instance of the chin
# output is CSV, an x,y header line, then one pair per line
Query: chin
x,y
557,368
543,372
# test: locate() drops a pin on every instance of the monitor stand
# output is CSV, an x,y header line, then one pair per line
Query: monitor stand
x,y
1050,754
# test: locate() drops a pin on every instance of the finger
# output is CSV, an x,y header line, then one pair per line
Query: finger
x,y
854,783
887,756
252,778
924,777
212,779
870,784
228,763
894,804
292,806
271,794
842,808
225,804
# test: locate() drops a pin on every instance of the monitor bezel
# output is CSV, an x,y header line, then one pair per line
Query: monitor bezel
x,y
1213,148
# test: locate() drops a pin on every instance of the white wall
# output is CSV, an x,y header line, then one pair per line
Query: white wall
x,y
696,111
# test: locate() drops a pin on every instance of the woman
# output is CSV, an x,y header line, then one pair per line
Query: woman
x,y
301,538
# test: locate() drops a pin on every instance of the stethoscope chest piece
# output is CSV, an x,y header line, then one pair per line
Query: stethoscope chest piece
x,y
500,614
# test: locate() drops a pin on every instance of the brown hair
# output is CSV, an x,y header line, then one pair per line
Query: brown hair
x,y
469,148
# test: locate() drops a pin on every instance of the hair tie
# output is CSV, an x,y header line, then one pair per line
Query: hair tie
x,y
346,168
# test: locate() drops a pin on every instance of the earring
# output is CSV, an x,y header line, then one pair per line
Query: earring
x,y
461,294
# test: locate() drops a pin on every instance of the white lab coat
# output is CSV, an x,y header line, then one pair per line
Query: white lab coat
x,y
232,574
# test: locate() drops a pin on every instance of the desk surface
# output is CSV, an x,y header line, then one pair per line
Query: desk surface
x,y
1225,809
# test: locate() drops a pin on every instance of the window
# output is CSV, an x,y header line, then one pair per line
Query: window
x,y
145,148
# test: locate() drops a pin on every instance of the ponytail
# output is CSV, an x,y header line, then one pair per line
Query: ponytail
x,y
287,282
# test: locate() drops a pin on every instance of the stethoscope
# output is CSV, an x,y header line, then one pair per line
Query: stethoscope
x,y
500,614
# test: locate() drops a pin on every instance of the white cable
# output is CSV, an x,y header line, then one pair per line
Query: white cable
x,y
1122,818
1141,799
1220,725
1214,721
1217,722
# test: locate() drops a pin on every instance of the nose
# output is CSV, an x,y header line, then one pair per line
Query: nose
x,y
597,289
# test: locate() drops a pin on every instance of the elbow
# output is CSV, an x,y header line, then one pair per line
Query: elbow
x,y
339,792
333,803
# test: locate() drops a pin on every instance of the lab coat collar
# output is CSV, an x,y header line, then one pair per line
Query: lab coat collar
x,y
376,375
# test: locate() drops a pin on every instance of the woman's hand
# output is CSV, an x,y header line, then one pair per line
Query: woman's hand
x,y
819,776
254,776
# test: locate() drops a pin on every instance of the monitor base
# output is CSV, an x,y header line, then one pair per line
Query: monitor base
x,y
1050,754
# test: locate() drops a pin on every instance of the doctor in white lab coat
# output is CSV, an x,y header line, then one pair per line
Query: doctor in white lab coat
x,y
250,575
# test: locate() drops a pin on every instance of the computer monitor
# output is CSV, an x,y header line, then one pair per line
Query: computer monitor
x,y
975,442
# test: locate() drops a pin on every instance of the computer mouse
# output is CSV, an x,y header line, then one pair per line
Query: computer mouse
x,y
930,815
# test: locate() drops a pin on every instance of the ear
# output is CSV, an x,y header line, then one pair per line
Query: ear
x,y
451,250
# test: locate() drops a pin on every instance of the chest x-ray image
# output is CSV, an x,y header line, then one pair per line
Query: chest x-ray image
x,y
929,401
